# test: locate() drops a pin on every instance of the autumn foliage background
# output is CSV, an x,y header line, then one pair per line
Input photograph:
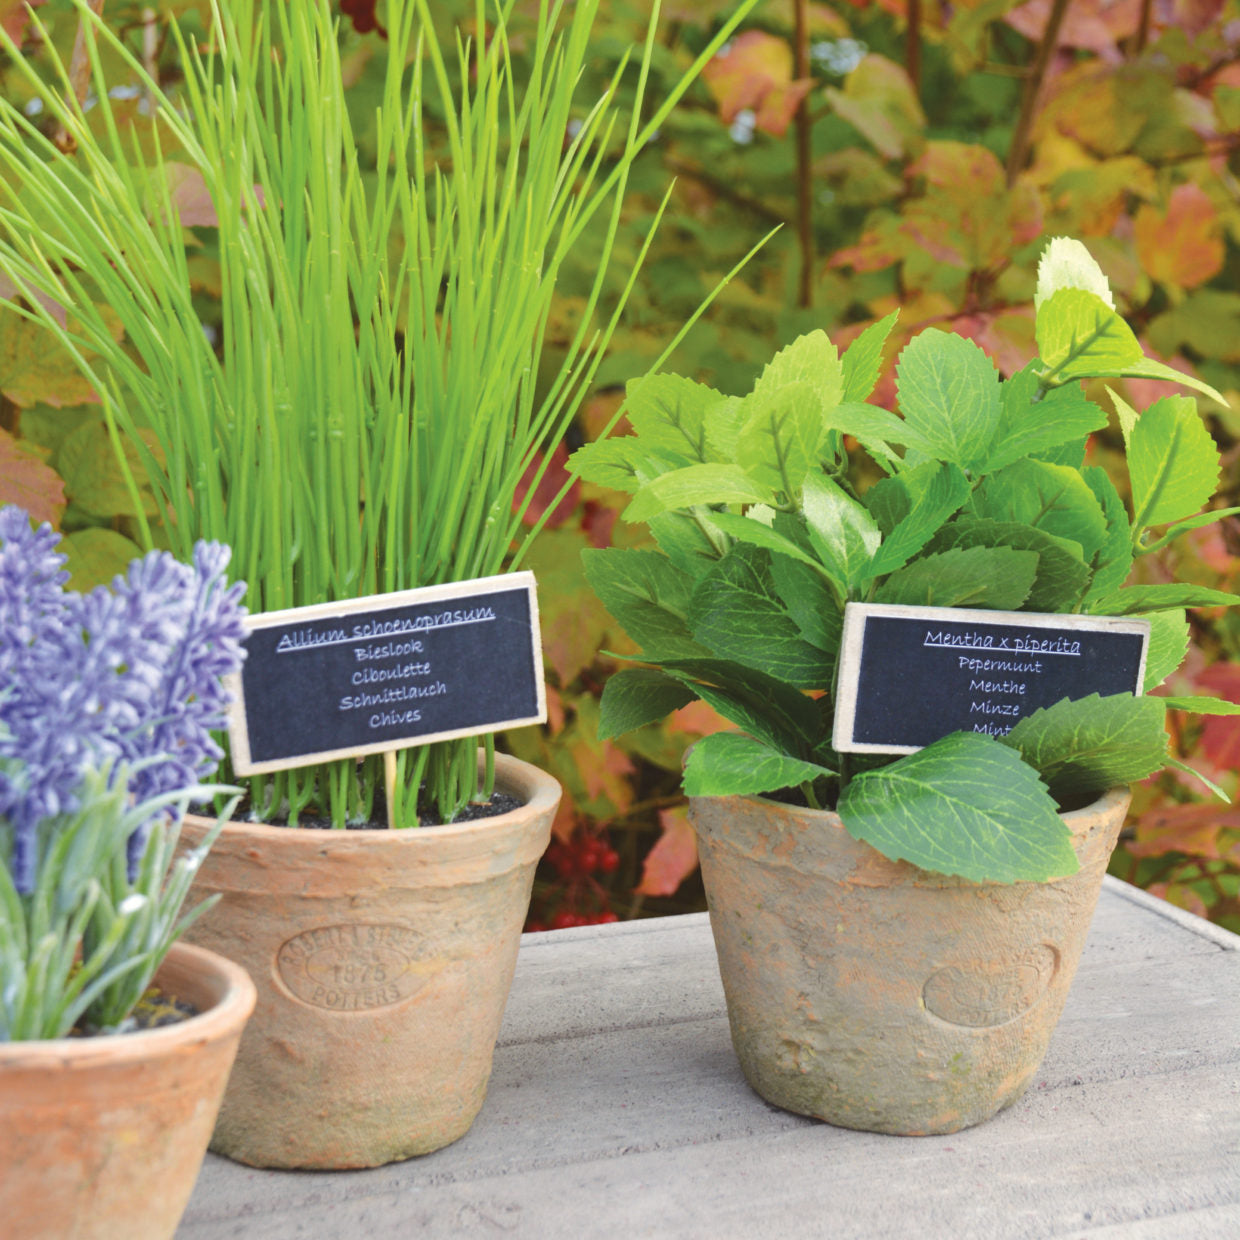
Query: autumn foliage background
x,y
913,153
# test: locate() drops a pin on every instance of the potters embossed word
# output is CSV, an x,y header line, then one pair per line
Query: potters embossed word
x,y
352,968
909,675
387,671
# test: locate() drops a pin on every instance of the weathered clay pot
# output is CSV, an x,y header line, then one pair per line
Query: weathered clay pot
x,y
383,961
875,995
102,1138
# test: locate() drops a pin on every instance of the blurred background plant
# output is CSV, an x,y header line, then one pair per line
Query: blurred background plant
x,y
915,153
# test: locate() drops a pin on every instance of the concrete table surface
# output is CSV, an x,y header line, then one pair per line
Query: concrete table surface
x,y
617,1109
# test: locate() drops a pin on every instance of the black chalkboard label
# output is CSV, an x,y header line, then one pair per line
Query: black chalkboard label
x,y
387,672
909,675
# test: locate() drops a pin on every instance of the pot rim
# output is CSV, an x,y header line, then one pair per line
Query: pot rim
x,y
220,1020
538,790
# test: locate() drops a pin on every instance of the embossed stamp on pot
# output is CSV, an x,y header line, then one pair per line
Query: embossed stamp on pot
x,y
352,968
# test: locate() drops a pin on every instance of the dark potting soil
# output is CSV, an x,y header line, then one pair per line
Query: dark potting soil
x,y
155,1010
500,803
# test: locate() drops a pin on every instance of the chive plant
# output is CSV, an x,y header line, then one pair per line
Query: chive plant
x,y
365,421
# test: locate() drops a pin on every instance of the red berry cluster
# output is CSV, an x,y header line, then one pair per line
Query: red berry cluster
x,y
575,863
362,14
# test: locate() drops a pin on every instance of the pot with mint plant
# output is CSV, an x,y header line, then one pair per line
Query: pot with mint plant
x,y
897,931
362,426
108,698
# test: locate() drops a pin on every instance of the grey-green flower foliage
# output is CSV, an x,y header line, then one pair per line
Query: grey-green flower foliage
x,y
986,503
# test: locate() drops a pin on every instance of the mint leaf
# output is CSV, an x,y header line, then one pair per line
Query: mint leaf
x,y
757,703
863,359
1051,498
996,578
695,484
1031,425
731,764
636,696
841,531
1062,575
1081,748
1080,336
1133,599
949,396
911,508
622,464
1202,705
756,534
1148,368
1066,263
685,543
811,602
965,805
736,612
779,439
876,430
1167,646
647,594
670,413
811,360
1172,462
1112,562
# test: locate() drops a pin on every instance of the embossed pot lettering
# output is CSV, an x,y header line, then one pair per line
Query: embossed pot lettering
x,y
351,968
980,994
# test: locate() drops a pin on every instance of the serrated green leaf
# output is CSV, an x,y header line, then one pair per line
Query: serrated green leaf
x,y
1167,646
1051,498
842,532
623,464
1172,462
670,413
1125,412
731,764
779,440
1112,562
696,484
647,594
685,543
757,534
996,578
949,395
863,359
1201,705
911,508
811,360
757,703
811,602
964,805
1148,368
637,696
736,612
1193,523
1132,599
875,429
1066,263
723,428
1062,575
1029,426
1083,747
1080,336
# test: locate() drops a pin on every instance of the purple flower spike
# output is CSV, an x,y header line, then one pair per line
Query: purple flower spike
x,y
131,673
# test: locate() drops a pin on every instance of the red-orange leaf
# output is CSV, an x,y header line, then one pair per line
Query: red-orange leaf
x,y
27,482
672,859
1182,246
756,73
1220,737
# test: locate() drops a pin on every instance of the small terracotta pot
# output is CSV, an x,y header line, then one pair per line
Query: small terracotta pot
x,y
102,1138
875,995
383,961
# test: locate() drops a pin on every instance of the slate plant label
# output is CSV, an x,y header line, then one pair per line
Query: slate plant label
x,y
387,672
910,675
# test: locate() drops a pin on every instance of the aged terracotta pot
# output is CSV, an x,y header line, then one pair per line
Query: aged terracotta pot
x,y
875,995
383,961
102,1138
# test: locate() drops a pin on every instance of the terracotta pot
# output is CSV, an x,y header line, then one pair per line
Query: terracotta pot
x,y
102,1138
383,961
875,995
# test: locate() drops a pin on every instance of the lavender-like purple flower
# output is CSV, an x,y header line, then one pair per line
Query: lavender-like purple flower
x,y
129,673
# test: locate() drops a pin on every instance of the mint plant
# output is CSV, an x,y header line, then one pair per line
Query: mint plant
x,y
984,502
107,704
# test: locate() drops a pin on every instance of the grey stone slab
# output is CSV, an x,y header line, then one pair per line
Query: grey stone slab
x,y
616,1108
